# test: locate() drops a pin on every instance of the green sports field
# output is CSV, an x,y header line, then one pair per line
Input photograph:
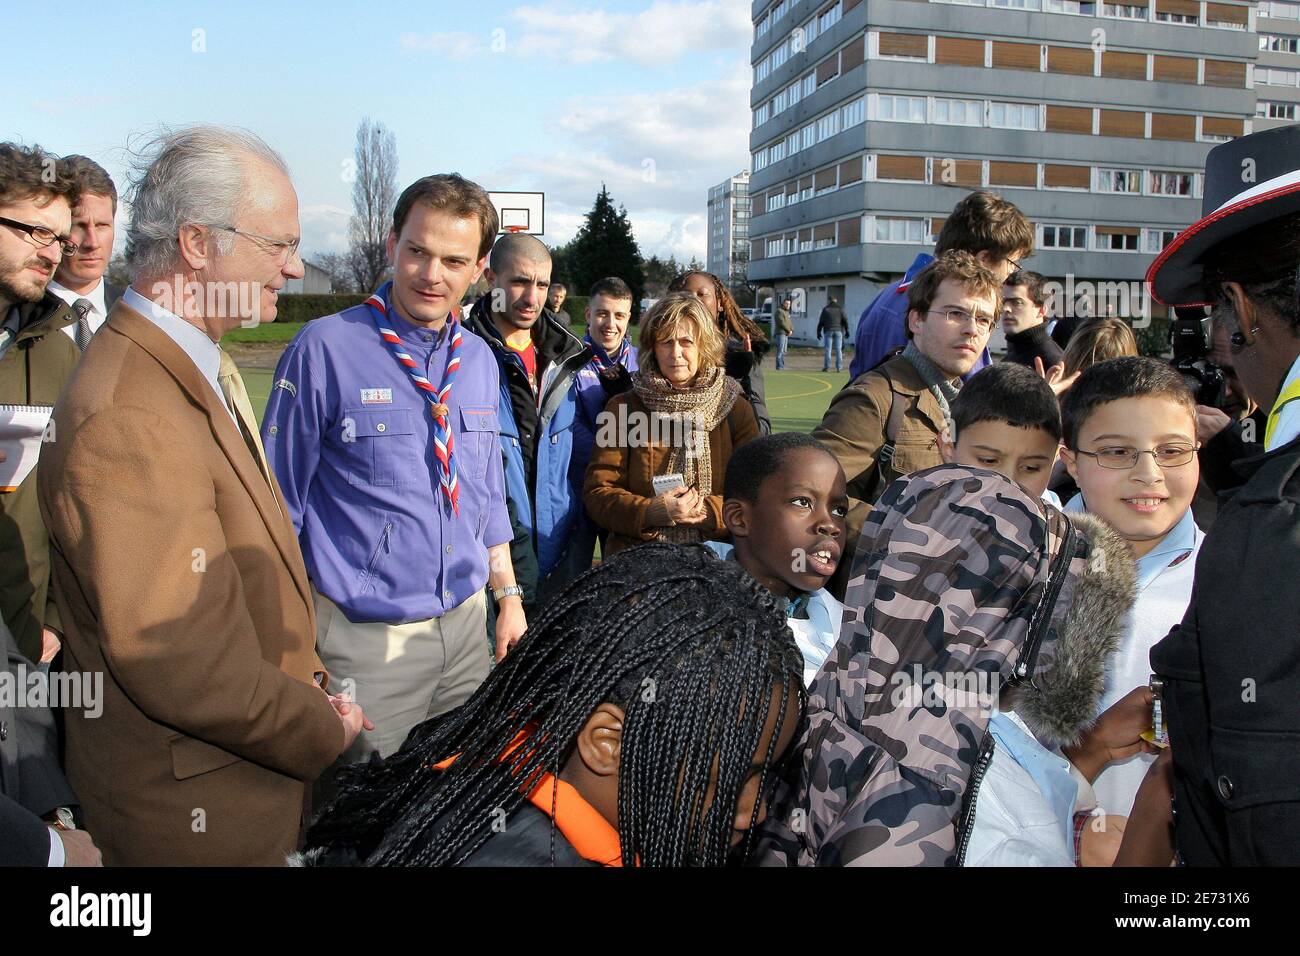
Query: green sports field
x,y
795,399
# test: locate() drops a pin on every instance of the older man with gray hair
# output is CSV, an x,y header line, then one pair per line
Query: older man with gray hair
x,y
176,567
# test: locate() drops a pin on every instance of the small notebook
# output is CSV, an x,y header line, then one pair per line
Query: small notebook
x,y
22,428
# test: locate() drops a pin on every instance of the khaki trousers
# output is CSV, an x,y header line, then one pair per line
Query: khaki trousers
x,y
402,674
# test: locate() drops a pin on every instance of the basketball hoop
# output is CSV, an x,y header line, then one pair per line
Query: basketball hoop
x,y
515,229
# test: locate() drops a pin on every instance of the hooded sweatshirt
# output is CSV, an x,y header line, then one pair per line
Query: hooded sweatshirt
x,y
962,585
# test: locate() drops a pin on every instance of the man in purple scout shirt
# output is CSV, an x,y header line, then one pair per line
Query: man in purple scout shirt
x,y
400,538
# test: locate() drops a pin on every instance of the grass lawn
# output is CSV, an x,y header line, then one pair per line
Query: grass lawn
x,y
282,332
796,400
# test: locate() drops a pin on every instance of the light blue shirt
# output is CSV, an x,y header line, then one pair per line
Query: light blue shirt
x,y
816,636
1182,537
1049,770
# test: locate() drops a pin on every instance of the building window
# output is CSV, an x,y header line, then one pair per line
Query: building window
x,y
1169,184
828,126
760,160
900,230
959,112
1014,115
1064,237
1267,110
1119,180
851,114
792,143
1124,11
1077,7
828,19
1272,76
809,84
762,115
776,152
1155,240
1280,11
775,201
900,109
1111,239
1277,44
1016,4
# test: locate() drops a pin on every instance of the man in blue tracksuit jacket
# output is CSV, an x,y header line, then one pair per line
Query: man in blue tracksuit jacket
x,y
538,361
608,373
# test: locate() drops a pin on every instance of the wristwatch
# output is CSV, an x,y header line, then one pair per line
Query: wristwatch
x,y
60,818
510,590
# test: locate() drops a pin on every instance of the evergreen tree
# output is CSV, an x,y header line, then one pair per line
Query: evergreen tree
x,y
605,246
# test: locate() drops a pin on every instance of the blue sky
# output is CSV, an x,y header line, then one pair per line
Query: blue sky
x,y
651,98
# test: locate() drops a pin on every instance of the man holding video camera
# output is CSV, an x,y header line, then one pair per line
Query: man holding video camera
x,y
1231,669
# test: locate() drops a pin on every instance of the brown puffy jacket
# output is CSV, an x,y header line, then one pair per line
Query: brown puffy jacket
x,y
618,488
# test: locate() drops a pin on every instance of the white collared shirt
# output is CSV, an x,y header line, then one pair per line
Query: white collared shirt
x,y
98,314
1288,419
202,351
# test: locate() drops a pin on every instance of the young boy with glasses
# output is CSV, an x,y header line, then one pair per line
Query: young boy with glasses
x,y
1130,443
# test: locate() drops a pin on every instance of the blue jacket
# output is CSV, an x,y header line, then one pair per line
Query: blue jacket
x,y
882,327
592,399
537,435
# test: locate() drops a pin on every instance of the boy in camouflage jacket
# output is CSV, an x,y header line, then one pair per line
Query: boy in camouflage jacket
x,y
963,585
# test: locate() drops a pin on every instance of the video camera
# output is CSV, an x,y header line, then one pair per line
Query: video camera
x,y
1190,333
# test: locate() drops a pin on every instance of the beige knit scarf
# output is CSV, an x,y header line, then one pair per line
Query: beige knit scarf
x,y
687,417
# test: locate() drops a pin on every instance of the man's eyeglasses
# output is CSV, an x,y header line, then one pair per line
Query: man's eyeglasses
x,y
284,248
42,236
1121,457
960,317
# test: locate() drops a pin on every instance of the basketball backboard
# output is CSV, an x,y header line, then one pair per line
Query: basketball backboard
x,y
520,212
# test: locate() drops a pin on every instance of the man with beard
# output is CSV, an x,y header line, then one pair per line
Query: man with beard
x,y
36,202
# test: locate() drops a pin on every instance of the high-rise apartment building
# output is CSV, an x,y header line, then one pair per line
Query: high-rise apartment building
x,y
728,220
1277,71
872,119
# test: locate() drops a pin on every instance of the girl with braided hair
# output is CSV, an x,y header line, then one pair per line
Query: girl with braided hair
x,y
746,341
639,721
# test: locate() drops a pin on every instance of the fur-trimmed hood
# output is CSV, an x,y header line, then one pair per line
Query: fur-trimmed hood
x,y
1061,700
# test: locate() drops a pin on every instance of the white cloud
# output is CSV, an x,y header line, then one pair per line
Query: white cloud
x,y
324,228
660,34
658,153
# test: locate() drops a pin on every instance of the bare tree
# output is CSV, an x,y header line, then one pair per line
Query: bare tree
x,y
374,194
339,267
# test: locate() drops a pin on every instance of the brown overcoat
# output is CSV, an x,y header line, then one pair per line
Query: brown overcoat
x,y
181,582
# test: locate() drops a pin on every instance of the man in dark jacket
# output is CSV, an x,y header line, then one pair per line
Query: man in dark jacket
x,y
1024,320
33,791
539,360
832,326
35,227
1230,671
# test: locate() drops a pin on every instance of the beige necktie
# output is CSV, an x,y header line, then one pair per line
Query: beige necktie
x,y
232,387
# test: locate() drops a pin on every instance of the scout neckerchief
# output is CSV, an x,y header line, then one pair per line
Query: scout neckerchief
x,y
600,359
443,438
